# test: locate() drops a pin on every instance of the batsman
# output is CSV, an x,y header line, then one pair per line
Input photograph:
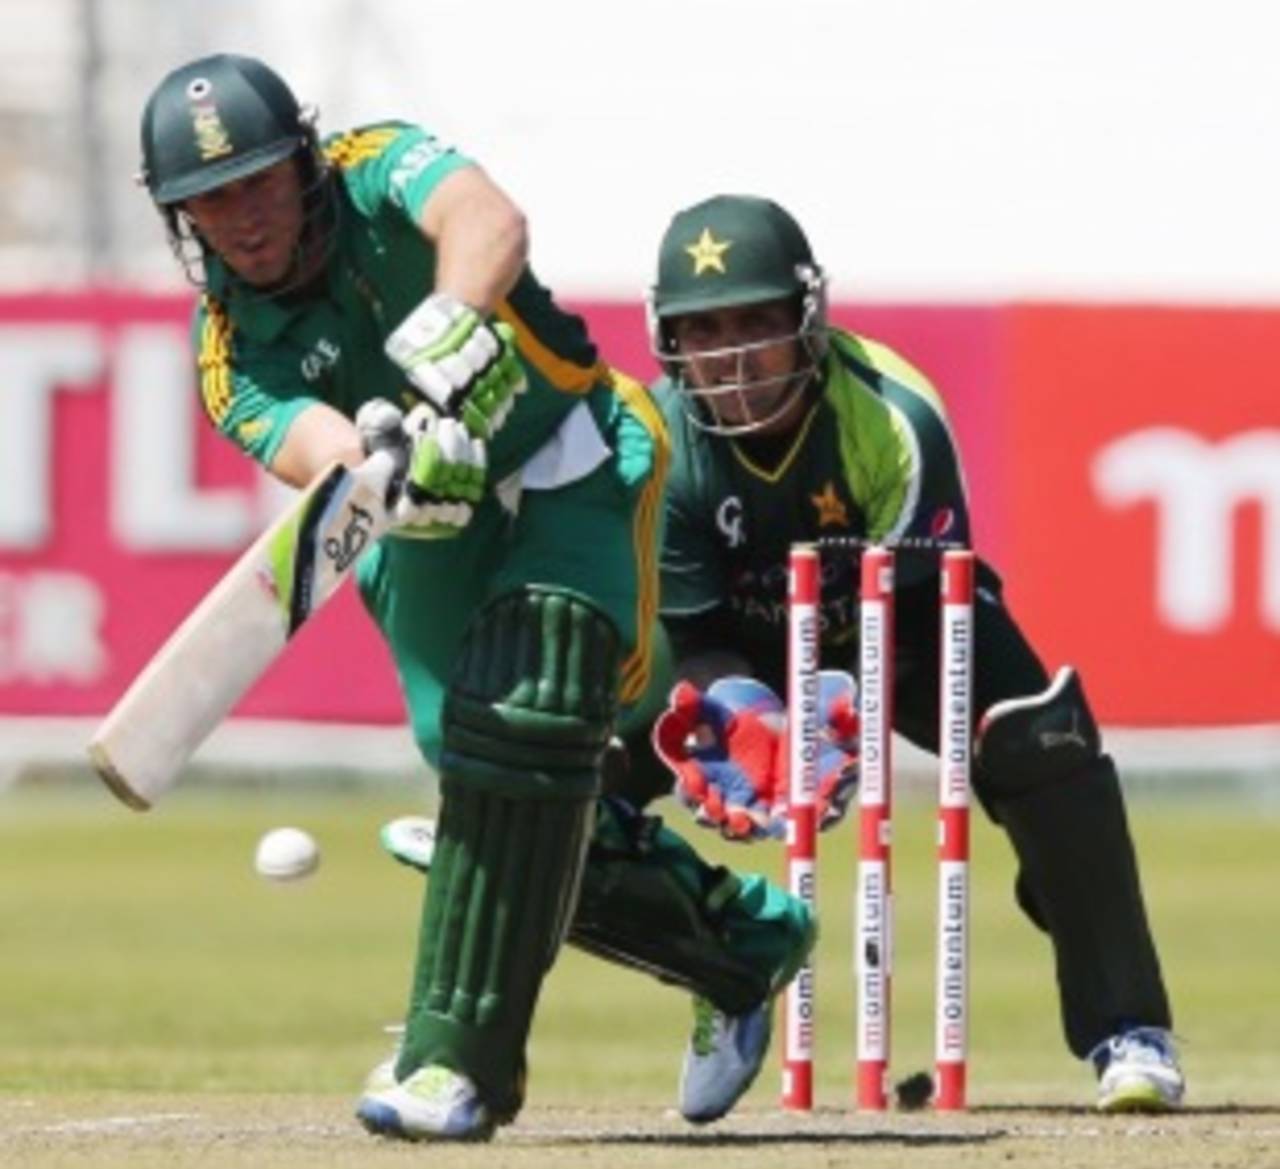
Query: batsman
x,y
371,292
783,429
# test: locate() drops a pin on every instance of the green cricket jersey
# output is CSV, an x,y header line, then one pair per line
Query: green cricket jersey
x,y
874,457
264,360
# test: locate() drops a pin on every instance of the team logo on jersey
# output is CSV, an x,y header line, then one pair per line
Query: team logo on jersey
x,y
729,521
708,253
322,358
832,512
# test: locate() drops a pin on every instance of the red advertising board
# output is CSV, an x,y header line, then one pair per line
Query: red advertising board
x,y
1144,505
1122,466
122,508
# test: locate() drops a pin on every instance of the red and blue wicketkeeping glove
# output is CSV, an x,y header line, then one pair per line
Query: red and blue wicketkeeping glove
x,y
723,748
728,750
837,745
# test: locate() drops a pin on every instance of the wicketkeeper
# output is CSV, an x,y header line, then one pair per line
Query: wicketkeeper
x,y
785,428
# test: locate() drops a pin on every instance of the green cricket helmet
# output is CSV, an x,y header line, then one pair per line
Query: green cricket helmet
x,y
731,251
220,119
216,120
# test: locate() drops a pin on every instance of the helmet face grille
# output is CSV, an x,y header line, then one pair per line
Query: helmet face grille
x,y
747,403
322,213
726,252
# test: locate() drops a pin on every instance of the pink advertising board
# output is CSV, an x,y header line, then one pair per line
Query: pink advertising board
x,y
120,507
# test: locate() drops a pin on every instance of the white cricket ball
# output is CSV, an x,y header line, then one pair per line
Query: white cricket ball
x,y
286,854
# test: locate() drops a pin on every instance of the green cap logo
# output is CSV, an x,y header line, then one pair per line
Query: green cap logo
x,y
708,253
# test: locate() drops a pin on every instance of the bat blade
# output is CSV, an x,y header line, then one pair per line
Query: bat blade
x,y
239,628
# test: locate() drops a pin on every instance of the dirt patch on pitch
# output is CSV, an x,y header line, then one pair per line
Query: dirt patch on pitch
x,y
272,1132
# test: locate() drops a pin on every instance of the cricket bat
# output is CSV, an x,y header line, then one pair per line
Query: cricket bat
x,y
238,630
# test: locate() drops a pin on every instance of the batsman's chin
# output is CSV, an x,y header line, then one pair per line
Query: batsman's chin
x,y
116,782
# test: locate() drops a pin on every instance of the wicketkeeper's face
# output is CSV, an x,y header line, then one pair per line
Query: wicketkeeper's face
x,y
742,362
254,223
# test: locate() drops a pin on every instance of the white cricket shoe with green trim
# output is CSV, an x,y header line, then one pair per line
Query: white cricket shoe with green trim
x,y
1138,1072
433,1104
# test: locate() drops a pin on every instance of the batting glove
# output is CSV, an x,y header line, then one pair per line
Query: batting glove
x,y
442,467
465,367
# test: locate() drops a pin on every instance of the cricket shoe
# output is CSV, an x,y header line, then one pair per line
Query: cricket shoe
x,y
726,1051
1138,1072
723,1059
433,1104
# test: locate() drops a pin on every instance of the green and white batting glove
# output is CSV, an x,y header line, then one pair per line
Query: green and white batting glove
x,y
442,467
465,367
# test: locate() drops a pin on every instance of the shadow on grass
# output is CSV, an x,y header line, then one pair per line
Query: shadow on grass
x,y
1085,1112
897,1129
763,1139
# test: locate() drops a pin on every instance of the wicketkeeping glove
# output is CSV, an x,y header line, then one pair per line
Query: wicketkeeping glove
x,y
465,367
723,748
442,472
837,746
728,751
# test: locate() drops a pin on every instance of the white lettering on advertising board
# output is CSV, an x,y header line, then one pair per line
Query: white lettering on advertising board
x,y
1197,487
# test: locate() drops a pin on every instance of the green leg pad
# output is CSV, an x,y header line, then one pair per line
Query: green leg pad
x,y
501,886
534,693
648,901
527,715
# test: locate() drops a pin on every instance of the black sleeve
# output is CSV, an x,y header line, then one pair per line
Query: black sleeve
x,y
697,633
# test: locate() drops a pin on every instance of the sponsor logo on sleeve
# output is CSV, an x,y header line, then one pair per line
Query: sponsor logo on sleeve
x,y
414,161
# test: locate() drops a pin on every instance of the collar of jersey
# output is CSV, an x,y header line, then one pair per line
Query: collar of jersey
x,y
784,464
262,318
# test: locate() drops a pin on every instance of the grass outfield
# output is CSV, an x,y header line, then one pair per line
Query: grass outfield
x,y
141,954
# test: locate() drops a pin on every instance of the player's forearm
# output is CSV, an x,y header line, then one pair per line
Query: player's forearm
x,y
481,238
317,437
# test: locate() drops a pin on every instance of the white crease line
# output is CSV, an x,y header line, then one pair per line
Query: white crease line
x,y
114,1123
